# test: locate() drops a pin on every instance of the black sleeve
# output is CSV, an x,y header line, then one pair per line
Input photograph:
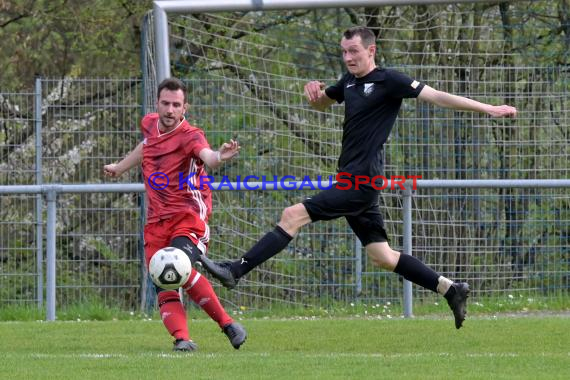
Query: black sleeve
x,y
336,91
402,86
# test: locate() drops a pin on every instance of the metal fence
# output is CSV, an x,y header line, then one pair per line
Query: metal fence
x,y
64,132
502,240
535,267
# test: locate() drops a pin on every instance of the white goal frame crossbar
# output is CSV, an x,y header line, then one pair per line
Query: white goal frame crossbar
x,y
163,8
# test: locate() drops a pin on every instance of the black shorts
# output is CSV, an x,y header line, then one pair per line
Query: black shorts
x,y
359,207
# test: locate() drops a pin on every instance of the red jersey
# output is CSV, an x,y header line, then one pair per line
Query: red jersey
x,y
169,159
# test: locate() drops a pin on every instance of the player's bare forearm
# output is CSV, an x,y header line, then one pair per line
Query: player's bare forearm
x,y
132,159
214,158
446,100
322,103
315,94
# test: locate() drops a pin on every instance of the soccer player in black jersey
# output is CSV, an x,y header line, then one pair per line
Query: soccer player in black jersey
x,y
372,98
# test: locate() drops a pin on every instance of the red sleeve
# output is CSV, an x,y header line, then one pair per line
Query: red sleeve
x,y
194,142
147,123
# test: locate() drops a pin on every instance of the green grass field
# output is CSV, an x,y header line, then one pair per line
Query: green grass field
x,y
501,347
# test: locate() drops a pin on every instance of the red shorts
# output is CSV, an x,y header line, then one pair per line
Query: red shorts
x,y
159,234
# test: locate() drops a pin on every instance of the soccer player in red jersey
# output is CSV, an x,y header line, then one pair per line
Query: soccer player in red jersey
x,y
173,154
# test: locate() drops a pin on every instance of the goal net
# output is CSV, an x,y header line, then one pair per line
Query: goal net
x,y
246,71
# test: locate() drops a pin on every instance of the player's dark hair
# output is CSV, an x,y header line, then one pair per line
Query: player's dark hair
x,y
366,35
171,84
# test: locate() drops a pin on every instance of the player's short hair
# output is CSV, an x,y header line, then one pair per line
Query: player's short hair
x,y
171,84
366,35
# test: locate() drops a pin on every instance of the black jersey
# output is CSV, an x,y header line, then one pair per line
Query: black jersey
x,y
372,105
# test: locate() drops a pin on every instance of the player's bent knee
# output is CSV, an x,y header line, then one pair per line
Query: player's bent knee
x,y
293,218
295,213
385,259
288,214
377,260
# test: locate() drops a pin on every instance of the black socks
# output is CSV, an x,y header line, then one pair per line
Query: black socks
x,y
268,246
417,272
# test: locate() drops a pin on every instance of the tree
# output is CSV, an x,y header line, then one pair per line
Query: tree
x,y
58,38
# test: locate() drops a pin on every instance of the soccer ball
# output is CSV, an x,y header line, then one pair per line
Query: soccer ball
x,y
169,268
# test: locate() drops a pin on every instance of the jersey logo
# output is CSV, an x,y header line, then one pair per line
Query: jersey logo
x,y
350,85
188,248
368,88
415,84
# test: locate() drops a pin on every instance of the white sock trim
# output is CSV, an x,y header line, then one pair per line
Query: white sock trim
x,y
443,285
194,281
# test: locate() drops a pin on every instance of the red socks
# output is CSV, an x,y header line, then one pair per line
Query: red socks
x,y
201,292
173,314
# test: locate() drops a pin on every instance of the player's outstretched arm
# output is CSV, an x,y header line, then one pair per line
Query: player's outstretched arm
x,y
318,99
215,158
130,161
443,99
